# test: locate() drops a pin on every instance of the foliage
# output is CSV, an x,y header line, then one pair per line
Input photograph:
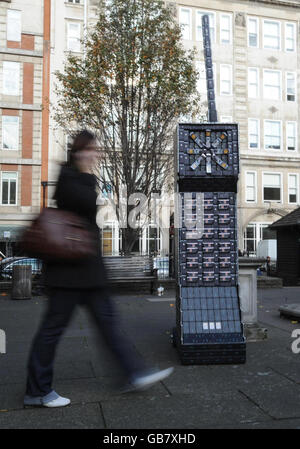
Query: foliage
x,y
133,83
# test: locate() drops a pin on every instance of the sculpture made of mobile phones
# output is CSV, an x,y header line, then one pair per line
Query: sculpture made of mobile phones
x,y
208,316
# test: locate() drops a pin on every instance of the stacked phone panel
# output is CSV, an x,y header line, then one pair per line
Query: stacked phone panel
x,y
209,328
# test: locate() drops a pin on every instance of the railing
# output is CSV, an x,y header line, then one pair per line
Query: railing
x,y
162,266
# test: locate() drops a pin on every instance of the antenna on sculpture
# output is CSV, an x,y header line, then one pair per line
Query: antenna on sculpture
x,y
212,111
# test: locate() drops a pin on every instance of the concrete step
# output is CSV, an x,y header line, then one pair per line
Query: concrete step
x,y
269,282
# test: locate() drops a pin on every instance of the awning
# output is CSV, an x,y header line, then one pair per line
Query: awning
x,y
11,233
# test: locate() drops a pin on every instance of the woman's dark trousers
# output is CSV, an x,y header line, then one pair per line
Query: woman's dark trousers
x,y
62,303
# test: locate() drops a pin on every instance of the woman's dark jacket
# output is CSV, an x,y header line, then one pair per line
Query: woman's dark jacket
x,y
76,192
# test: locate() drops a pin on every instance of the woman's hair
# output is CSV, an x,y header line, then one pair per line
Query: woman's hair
x,y
81,140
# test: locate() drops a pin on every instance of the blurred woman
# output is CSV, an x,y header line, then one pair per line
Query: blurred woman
x,y
84,283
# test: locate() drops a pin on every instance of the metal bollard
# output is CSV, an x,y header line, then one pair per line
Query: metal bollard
x,y
21,282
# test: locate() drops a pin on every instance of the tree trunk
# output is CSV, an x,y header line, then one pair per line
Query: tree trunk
x,y
129,237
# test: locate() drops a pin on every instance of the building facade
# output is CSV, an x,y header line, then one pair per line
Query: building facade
x,y
23,115
255,48
255,51
69,20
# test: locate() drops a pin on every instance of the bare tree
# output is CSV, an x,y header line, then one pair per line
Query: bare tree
x,y
134,82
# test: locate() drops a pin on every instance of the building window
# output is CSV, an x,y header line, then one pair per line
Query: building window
x,y
212,25
225,79
272,135
253,82
290,37
201,82
74,36
253,133
13,25
151,239
10,132
226,119
251,187
272,84
11,78
74,1
253,32
272,35
291,86
291,136
185,23
105,183
272,187
293,189
226,29
9,188
254,233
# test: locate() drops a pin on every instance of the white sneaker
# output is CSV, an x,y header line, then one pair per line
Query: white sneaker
x,y
51,400
59,402
145,381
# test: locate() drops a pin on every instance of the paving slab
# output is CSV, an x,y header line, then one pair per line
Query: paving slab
x,y
87,416
263,393
14,371
95,390
274,394
185,411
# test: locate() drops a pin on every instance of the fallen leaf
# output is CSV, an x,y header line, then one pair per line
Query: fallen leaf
x,y
171,305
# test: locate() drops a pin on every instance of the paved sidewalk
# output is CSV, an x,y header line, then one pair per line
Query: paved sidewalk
x,y
263,393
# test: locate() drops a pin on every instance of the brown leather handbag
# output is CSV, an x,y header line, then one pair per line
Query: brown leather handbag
x,y
57,234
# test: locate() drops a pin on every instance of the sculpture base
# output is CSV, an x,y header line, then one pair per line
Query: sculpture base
x,y
253,332
210,353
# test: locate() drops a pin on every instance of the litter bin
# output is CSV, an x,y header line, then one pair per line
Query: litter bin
x,y
21,282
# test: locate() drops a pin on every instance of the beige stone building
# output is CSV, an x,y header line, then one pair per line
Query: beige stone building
x,y
24,127
256,55
69,20
255,50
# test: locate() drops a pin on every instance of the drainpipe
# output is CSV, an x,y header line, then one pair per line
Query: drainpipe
x,y
85,22
45,97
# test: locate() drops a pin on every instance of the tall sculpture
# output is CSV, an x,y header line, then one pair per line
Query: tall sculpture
x,y
208,317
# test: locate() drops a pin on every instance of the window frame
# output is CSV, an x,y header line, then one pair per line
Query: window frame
x,y
281,135
281,187
18,23
18,89
190,22
199,63
202,12
287,137
1,188
226,121
257,70
280,84
255,186
17,131
231,80
256,19
258,133
286,24
286,86
280,34
230,28
78,23
297,188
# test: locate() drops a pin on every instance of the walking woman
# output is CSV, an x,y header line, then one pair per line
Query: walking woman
x,y
71,284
